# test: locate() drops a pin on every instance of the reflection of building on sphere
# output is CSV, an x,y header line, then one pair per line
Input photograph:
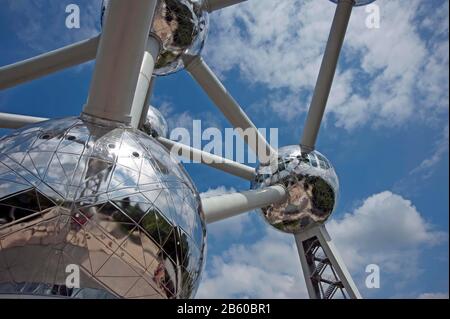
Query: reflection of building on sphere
x,y
112,201
155,124
182,27
312,185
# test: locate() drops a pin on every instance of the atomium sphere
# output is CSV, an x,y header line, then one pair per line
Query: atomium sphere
x,y
155,124
182,27
312,185
108,203
357,2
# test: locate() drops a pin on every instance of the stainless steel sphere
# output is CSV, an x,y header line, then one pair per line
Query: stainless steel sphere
x,y
112,202
313,189
182,27
155,124
357,2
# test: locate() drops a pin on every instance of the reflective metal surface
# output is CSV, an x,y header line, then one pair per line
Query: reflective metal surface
x,y
155,123
182,26
113,202
357,2
312,185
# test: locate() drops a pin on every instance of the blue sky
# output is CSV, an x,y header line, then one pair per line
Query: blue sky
x,y
386,130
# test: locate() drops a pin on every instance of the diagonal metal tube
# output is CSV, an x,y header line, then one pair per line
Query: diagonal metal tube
x,y
143,91
47,63
326,74
213,5
14,121
220,163
216,91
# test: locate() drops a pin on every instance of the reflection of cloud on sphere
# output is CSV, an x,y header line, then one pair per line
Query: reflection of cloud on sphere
x,y
155,124
112,201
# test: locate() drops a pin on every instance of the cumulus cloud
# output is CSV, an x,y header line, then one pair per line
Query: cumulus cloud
x,y
386,77
234,226
386,230
268,268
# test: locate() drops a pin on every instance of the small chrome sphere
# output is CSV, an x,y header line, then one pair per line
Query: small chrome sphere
x,y
182,27
313,189
110,202
357,2
155,124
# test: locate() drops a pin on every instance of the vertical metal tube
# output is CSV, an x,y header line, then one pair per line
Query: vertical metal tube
x,y
148,98
119,58
326,74
143,90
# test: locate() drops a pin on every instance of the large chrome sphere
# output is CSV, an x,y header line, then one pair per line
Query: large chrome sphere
x,y
111,202
313,189
155,124
182,27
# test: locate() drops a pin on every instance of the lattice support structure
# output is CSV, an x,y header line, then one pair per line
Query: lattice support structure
x,y
325,274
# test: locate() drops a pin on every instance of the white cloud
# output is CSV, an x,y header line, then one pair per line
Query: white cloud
x,y
265,39
426,168
234,226
220,190
268,268
173,118
386,230
415,181
387,76
184,119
